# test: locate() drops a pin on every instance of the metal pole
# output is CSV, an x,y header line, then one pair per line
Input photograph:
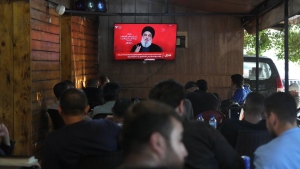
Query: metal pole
x,y
257,54
286,44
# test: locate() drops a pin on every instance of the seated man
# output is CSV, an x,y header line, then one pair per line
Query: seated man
x,y
253,111
111,93
6,146
79,137
93,94
206,147
238,91
119,109
283,151
152,134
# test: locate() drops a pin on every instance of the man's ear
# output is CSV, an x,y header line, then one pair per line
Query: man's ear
x,y
158,144
272,119
86,109
180,108
59,110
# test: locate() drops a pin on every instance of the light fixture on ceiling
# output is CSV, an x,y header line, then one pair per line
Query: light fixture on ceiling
x,y
60,9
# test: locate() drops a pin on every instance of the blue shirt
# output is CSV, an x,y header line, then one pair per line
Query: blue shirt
x,y
283,152
240,94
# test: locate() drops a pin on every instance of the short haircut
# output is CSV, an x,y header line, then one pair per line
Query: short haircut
x,y
202,85
111,91
254,104
103,79
190,84
69,83
73,102
142,120
169,92
121,106
237,79
283,105
59,88
92,83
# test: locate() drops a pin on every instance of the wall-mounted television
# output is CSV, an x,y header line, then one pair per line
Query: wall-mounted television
x,y
144,41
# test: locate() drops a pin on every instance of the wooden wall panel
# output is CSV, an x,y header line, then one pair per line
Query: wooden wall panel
x,y
22,79
215,48
6,67
45,69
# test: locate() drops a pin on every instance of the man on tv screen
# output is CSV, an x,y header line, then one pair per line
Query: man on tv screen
x,y
146,44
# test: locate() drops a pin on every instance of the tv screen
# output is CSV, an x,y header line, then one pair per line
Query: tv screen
x,y
145,41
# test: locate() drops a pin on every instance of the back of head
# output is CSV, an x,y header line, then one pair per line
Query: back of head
x,y
69,83
144,119
190,86
169,92
202,85
59,88
92,83
111,91
103,79
238,79
73,102
121,106
254,104
283,106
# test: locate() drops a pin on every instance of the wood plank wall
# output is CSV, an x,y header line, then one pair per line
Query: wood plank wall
x,y
84,45
215,49
45,68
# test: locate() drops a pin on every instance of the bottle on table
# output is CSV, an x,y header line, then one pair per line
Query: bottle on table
x,y
200,118
213,121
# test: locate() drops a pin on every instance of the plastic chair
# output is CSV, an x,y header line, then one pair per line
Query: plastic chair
x,y
220,117
102,161
56,119
249,140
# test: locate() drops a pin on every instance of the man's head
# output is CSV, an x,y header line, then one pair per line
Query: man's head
x,y
254,105
238,80
59,88
120,107
111,91
281,112
152,132
92,83
69,83
73,102
190,86
202,85
169,92
147,35
103,80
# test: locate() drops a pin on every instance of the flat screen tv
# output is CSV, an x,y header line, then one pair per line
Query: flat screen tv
x,y
144,41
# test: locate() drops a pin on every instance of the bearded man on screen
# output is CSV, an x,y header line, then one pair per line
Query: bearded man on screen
x,y
146,44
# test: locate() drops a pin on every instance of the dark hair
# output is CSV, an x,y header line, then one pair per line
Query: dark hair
x,y
190,84
142,120
169,92
120,107
73,102
59,88
92,83
254,104
238,80
103,79
202,85
111,91
69,83
283,105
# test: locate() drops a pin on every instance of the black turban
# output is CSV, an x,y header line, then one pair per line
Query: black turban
x,y
150,29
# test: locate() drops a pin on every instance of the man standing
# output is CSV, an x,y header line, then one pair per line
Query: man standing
x,y
64,147
146,44
152,137
283,152
206,147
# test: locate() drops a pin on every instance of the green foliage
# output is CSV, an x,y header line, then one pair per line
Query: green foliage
x,y
273,39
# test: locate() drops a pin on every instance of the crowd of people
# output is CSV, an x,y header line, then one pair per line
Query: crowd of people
x,y
160,132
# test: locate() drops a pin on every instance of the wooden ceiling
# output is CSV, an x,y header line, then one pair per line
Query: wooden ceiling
x,y
218,6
